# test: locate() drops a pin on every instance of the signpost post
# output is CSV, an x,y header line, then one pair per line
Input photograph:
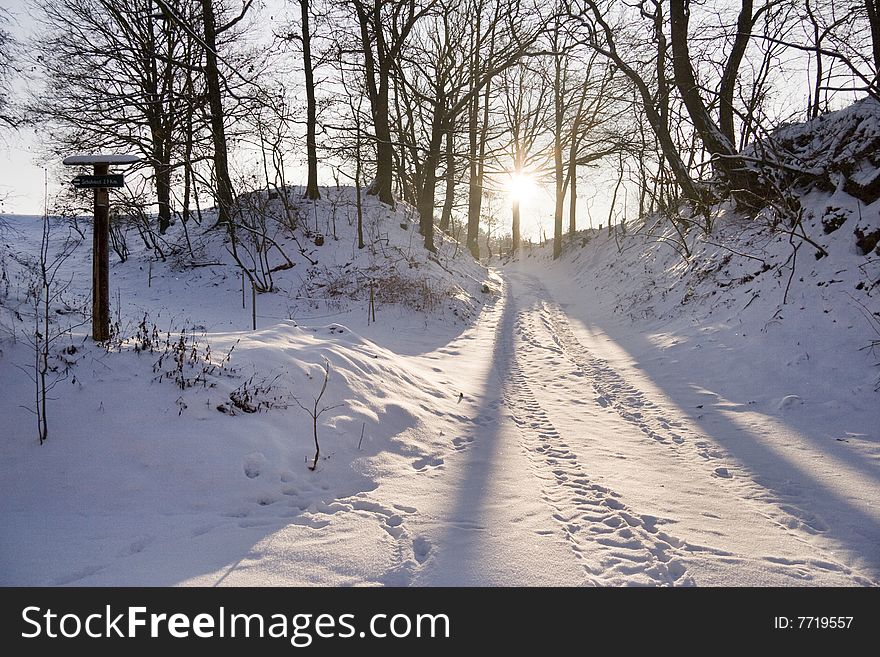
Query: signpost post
x,y
100,182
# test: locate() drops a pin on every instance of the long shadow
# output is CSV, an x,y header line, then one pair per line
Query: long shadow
x,y
167,543
844,522
634,344
462,540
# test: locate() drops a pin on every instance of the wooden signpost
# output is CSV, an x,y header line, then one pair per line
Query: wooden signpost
x,y
100,182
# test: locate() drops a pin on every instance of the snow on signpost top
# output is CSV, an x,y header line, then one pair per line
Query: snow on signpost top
x,y
98,158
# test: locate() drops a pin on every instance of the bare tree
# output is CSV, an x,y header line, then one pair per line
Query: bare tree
x,y
593,18
838,34
450,89
480,47
113,81
581,96
315,411
504,33
224,191
311,191
561,47
46,291
715,141
384,29
450,179
589,139
872,11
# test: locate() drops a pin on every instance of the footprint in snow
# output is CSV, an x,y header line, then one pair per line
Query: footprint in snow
x,y
253,464
78,575
138,545
421,548
461,442
427,463
789,402
204,529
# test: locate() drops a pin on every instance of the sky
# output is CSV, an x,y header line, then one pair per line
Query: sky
x,y
21,172
21,177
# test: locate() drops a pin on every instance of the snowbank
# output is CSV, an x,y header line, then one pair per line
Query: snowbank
x,y
184,441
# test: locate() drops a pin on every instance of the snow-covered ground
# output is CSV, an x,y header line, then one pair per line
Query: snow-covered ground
x,y
618,417
760,461
142,480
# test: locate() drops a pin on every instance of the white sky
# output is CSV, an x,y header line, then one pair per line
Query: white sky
x,y
21,178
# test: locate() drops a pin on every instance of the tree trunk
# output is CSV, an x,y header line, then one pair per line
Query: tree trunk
x,y
160,146
659,123
873,8
426,204
188,148
742,180
515,227
357,185
475,183
714,141
814,103
572,175
429,176
409,181
223,192
163,194
557,155
381,185
449,200
475,179
160,152
731,69
312,191
378,95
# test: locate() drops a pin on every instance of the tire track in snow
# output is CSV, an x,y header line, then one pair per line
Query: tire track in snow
x,y
632,405
615,544
612,389
615,392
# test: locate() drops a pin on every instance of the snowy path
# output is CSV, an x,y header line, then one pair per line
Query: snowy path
x,y
580,531
578,453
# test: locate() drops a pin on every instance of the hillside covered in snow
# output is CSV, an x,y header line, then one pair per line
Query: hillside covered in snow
x,y
189,420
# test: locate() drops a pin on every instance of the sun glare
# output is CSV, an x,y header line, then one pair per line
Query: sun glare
x,y
521,187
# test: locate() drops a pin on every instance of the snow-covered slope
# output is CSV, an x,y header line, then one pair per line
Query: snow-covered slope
x,y
184,439
746,283
799,302
841,150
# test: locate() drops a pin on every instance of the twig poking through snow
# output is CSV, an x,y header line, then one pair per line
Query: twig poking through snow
x,y
316,413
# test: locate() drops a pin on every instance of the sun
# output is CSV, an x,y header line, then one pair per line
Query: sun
x,y
521,187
